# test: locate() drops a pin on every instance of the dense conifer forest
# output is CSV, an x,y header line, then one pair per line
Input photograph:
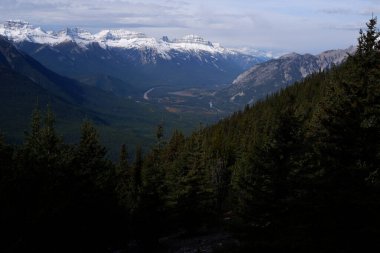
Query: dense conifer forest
x,y
296,172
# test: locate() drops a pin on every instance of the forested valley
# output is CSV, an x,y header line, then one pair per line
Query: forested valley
x,y
296,172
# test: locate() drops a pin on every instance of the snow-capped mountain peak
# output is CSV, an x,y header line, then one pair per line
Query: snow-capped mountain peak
x,y
17,24
17,30
129,56
20,31
119,34
73,34
196,43
263,52
124,39
193,39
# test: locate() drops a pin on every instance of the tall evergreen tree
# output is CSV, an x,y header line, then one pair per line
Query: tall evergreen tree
x,y
90,156
121,177
194,201
346,127
345,132
265,183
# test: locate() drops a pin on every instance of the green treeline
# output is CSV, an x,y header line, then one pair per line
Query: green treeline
x,y
298,171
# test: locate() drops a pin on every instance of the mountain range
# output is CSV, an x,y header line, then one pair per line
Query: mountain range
x,y
132,58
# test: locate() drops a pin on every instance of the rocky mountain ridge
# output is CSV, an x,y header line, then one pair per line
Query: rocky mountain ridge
x,y
20,31
292,67
273,75
131,57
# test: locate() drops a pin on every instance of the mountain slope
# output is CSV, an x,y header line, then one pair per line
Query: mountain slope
x,y
270,76
24,81
23,86
27,66
130,56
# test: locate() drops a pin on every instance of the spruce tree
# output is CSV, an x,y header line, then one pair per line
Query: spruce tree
x,y
345,133
194,194
346,128
90,156
122,179
266,176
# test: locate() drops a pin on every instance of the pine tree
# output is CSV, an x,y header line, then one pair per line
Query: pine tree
x,y
159,135
345,135
173,161
6,154
51,144
194,193
121,177
90,156
128,180
137,169
347,126
123,160
151,211
35,127
6,171
220,177
8,181
367,61
265,180
368,44
43,149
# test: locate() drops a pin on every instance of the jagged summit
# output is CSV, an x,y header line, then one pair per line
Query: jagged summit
x,y
119,34
75,34
290,68
193,39
17,24
20,31
129,56
289,55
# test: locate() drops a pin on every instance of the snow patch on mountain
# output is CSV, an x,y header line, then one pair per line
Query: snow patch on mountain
x,y
77,35
262,52
240,94
20,31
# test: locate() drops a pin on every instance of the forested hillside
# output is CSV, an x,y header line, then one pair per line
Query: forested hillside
x,y
296,172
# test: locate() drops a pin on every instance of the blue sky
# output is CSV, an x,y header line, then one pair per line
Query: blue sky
x,y
293,25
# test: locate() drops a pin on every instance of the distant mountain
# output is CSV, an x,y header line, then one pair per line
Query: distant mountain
x,y
131,57
270,76
267,53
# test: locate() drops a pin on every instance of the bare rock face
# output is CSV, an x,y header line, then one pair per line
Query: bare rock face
x,y
291,67
268,77
334,57
287,69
